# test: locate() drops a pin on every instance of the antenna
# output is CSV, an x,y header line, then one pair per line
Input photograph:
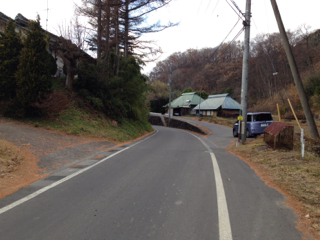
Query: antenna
x,y
47,16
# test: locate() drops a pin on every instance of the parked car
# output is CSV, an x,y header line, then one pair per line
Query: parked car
x,y
256,123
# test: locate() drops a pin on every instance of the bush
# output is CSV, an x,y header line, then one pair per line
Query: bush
x,y
312,85
33,75
10,47
120,96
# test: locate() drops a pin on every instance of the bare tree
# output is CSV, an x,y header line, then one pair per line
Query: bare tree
x,y
70,54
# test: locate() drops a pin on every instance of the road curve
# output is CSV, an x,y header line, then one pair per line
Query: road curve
x,y
172,185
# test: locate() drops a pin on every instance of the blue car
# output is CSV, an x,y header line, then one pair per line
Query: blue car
x,y
256,123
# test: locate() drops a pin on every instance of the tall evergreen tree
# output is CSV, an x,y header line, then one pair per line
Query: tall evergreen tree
x,y
33,75
10,47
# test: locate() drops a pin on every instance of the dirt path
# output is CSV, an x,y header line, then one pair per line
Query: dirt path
x,y
44,152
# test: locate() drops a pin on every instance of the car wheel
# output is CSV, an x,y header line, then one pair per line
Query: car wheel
x,y
235,134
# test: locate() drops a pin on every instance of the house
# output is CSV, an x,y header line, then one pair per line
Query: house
x,y
22,24
219,105
184,104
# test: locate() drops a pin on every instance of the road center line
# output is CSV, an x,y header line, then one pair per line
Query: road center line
x,y
42,190
223,214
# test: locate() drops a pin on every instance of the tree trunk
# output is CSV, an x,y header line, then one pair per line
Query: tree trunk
x,y
126,29
116,70
107,33
70,75
99,6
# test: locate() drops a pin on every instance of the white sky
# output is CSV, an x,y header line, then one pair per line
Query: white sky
x,y
203,23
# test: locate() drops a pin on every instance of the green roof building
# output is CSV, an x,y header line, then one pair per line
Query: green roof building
x,y
184,104
220,105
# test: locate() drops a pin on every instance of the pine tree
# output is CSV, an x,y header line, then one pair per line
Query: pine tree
x,y
10,47
33,76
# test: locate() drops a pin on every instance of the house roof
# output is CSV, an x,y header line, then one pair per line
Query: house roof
x,y
185,100
219,100
23,23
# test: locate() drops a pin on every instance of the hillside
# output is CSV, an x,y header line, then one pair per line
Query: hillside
x,y
218,70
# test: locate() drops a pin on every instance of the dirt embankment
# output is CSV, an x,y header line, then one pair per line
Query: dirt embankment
x,y
28,153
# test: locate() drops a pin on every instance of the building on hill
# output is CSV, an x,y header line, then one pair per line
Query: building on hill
x,y
184,104
22,24
219,105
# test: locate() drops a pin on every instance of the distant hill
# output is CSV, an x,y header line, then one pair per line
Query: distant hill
x,y
270,80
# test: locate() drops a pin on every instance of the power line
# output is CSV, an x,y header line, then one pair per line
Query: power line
x,y
239,15
217,49
199,7
215,7
208,6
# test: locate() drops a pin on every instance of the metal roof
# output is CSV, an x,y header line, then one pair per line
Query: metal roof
x,y
275,127
186,99
219,100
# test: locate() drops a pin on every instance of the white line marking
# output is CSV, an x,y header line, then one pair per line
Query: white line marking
x,y
224,220
42,190
225,232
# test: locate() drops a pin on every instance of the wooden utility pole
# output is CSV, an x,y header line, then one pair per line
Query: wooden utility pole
x,y
295,73
245,71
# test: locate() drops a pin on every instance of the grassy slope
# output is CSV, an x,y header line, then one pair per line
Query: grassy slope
x,y
84,122
81,121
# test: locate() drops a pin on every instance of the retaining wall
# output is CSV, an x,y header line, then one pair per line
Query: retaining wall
x,y
160,120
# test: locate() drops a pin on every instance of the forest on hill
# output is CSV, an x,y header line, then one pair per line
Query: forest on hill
x,y
219,70
110,83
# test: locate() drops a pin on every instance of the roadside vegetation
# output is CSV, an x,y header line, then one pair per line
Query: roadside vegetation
x,y
10,157
106,100
296,177
90,123
110,97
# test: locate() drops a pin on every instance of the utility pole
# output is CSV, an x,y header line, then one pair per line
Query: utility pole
x,y
245,71
295,73
200,101
169,84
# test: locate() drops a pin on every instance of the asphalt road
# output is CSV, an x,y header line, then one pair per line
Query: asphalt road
x,y
171,185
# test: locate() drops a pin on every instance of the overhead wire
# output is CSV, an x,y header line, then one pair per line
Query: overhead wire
x,y
199,7
215,7
208,6
239,15
226,37
218,48
237,35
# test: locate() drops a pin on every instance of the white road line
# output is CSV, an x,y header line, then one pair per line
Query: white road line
x,y
224,221
225,232
42,190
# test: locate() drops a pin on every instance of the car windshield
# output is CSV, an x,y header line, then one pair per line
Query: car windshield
x,y
262,117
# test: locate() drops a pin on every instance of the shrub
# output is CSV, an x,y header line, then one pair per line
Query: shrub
x,y
33,75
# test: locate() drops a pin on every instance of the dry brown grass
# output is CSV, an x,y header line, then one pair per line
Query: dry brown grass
x,y
18,167
10,157
296,177
217,120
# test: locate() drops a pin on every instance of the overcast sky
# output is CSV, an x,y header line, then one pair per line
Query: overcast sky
x,y
203,23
